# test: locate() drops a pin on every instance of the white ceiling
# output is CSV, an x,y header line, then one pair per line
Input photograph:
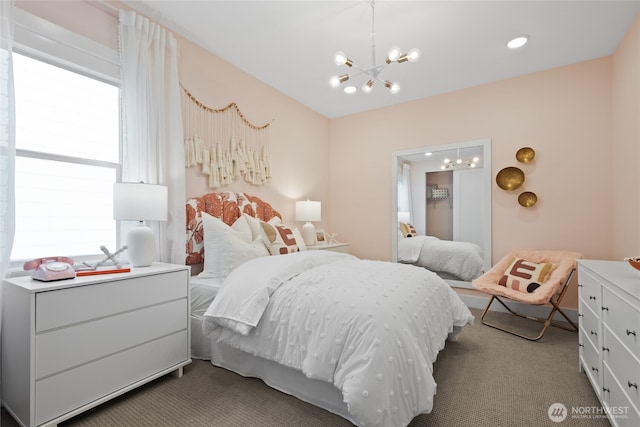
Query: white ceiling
x,y
289,45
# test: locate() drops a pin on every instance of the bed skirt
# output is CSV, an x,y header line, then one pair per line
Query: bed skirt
x,y
289,381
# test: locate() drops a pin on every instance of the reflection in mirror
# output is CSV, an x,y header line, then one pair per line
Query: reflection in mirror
x,y
441,211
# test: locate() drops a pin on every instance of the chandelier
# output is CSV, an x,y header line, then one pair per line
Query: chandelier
x,y
447,163
395,55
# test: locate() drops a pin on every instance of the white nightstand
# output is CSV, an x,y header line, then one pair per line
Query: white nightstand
x,y
336,247
70,345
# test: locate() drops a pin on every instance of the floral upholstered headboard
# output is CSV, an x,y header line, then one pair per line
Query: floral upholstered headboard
x,y
225,205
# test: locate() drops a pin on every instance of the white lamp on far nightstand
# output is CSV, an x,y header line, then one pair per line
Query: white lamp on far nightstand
x,y
308,211
140,202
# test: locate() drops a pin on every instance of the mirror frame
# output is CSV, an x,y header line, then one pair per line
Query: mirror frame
x,y
486,177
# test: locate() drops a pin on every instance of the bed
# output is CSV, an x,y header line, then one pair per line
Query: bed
x,y
355,337
449,259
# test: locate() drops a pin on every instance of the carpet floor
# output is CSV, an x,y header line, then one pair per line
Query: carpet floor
x,y
488,378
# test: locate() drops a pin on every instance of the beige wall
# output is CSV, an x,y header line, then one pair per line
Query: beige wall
x,y
626,145
299,136
564,114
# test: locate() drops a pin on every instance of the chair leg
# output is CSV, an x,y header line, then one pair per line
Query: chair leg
x,y
546,321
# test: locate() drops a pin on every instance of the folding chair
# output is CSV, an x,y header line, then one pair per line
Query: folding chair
x,y
530,276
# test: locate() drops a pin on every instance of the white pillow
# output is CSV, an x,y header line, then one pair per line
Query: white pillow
x,y
225,249
254,225
244,230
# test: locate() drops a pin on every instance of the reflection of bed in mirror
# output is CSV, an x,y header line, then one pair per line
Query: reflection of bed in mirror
x,y
457,216
449,259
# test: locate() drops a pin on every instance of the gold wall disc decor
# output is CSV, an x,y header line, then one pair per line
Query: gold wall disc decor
x,y
527,199
510,178
525,155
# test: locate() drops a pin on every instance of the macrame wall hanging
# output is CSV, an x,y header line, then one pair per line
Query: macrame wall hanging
x,y
224,143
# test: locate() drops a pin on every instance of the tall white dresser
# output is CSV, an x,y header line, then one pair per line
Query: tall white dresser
x,y
609,337
70,345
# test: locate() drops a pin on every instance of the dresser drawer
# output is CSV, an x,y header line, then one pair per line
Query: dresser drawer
x,y
589,323
590,291
622,413
66,348
623,365
59,308
58,394
622,319
590,359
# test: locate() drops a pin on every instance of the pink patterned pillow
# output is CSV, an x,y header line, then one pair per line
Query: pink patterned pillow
x,y
407,230
525,276
279,238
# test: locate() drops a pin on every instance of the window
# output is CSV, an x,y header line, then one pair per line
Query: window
x,y
68,151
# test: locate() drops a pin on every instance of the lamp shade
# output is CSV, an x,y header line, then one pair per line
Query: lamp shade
x,y
139,202
308,211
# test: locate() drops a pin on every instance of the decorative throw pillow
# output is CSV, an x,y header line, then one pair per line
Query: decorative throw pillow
x,y
407,230
525,276
279,238
225,248
299,239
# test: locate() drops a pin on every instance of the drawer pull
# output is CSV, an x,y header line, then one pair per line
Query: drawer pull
x,y
594,369
580,345
606,389
631,332
630,384
605,308
593,333
605,349
580,315
579,285
592,297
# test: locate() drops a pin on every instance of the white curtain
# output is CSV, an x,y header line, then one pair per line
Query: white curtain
x,y
405,210
7,142
153,149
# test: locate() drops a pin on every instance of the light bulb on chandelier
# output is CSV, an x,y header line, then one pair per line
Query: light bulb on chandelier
x,y
447,163
395,54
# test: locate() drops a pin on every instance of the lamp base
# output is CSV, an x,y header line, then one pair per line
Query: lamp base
x,y
141,245
309,234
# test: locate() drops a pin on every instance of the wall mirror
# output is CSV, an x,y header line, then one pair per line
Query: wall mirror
x,y
444,192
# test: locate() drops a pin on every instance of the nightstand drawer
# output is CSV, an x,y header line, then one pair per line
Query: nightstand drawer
x,y
66,348
63,307
62,393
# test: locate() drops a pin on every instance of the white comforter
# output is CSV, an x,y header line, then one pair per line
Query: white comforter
x,y
372,329
461,259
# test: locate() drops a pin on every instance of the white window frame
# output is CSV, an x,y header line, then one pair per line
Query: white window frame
x,y
44,41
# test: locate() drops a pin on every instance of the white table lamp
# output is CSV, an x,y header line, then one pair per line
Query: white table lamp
x,y
140,202
308,211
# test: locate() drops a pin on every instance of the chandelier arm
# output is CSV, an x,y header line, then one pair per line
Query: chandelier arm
x,y
373,33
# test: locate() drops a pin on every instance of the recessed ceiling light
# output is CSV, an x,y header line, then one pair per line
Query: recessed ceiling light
x,y
518,41
350,89
428,153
